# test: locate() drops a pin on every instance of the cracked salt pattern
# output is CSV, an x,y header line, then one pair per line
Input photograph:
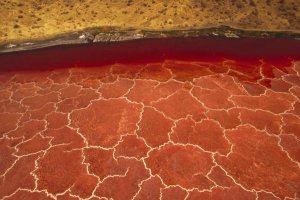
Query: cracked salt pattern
x,y
171,130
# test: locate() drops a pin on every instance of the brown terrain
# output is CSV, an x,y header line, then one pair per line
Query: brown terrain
x,y
41,19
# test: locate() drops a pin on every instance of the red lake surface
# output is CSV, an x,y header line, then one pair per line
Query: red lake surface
x,y
176,118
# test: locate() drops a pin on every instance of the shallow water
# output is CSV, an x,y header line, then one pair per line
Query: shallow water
x,y
186,119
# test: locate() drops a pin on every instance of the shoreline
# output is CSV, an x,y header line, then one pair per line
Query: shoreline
x,y
112,35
